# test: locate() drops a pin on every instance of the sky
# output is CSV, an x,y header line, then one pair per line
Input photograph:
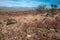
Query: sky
x,y
28,3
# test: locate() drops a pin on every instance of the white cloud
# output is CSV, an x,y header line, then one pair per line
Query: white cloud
x,y
21,3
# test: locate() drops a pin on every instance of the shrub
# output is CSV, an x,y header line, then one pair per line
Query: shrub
x,y
41,8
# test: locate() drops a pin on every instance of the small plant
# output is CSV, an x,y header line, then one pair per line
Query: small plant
x,y
26,25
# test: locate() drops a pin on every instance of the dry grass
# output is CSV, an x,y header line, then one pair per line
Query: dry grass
x,y
18,31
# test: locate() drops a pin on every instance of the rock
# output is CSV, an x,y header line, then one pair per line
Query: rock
x,y
29,35
10,21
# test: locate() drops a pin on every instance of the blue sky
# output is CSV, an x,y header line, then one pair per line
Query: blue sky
x,y
28,3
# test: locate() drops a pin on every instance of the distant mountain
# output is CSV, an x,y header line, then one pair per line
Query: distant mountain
x,y
17,8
